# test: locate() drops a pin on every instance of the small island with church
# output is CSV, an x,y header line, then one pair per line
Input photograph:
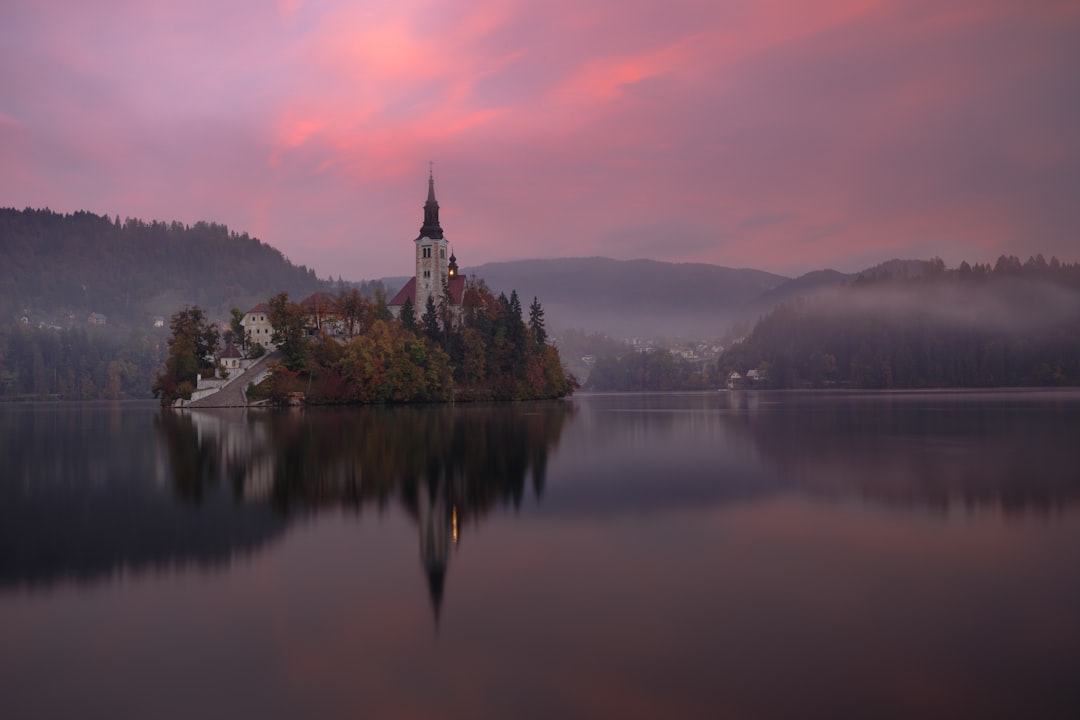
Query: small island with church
x,y
443,337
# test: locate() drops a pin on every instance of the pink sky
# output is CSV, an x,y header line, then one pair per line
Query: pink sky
x,y
778,134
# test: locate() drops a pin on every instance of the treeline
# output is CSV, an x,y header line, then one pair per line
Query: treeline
x,y
482,351
1011,324
640,371
76,364
58,268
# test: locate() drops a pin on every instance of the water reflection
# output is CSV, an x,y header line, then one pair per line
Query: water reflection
x,y
942,451
85,496
91,490
708,555
448,467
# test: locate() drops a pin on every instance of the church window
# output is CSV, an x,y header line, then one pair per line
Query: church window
x,y
427,273
442,253
426,251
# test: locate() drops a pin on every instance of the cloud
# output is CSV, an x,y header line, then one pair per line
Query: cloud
x,y
769,134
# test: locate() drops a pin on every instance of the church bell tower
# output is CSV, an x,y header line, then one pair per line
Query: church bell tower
x,y
432,265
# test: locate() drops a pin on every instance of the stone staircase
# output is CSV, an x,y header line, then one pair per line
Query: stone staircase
x,y
233,393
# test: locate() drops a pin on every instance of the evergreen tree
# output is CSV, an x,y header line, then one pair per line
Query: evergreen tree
x,y
430,320
536,323
408,316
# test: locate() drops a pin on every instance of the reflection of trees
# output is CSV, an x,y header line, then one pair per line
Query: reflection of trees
x,y
926,450
355,456
447,465
78,498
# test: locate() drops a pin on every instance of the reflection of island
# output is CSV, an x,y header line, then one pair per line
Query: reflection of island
x,y
448,466
84,497
88,492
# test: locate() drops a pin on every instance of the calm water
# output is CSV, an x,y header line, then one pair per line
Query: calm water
x,y
744,555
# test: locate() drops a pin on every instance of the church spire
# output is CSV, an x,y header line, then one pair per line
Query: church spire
x,y
431,228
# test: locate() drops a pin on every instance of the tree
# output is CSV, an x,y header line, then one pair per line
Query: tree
x,y
287,320
356,312
236,324
408,316
192,348
536,323
430,320
382,312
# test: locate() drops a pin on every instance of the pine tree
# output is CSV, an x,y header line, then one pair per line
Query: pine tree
x,y
408,316
536,322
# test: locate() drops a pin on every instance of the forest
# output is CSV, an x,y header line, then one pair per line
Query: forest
x,y
55,270
352,350
1011,324
640,371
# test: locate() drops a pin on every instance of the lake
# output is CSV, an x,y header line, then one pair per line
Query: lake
x,y
732,554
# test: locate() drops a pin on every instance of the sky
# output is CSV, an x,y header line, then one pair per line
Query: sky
x,y
781,135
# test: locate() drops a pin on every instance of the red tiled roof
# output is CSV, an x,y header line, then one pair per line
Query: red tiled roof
x,y
407,292
230,351
260,308
322,300
456,286
457,289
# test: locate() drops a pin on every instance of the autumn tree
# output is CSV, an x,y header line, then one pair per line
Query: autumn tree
x,y
192,349
287,320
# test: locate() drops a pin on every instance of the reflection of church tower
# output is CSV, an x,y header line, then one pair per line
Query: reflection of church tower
x,y
437,531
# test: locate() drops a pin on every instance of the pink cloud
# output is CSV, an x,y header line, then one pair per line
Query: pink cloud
x,y
772,134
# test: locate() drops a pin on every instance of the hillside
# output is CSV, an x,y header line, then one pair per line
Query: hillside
x,y
906,324
57,269
633,298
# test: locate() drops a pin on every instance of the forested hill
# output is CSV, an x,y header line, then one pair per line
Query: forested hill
x,y
628,298
974,326
55,267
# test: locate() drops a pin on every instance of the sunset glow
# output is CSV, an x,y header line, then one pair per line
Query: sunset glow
x,y
779,135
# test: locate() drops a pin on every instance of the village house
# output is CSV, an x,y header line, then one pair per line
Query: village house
x,y
256,324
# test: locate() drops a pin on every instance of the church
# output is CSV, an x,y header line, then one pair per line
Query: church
x,y
435,264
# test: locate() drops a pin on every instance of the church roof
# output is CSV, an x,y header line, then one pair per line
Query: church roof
x,y
456,286
409,292
431,228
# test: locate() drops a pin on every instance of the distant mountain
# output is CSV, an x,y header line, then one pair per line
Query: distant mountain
x,y
803,285
54,267
632,298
